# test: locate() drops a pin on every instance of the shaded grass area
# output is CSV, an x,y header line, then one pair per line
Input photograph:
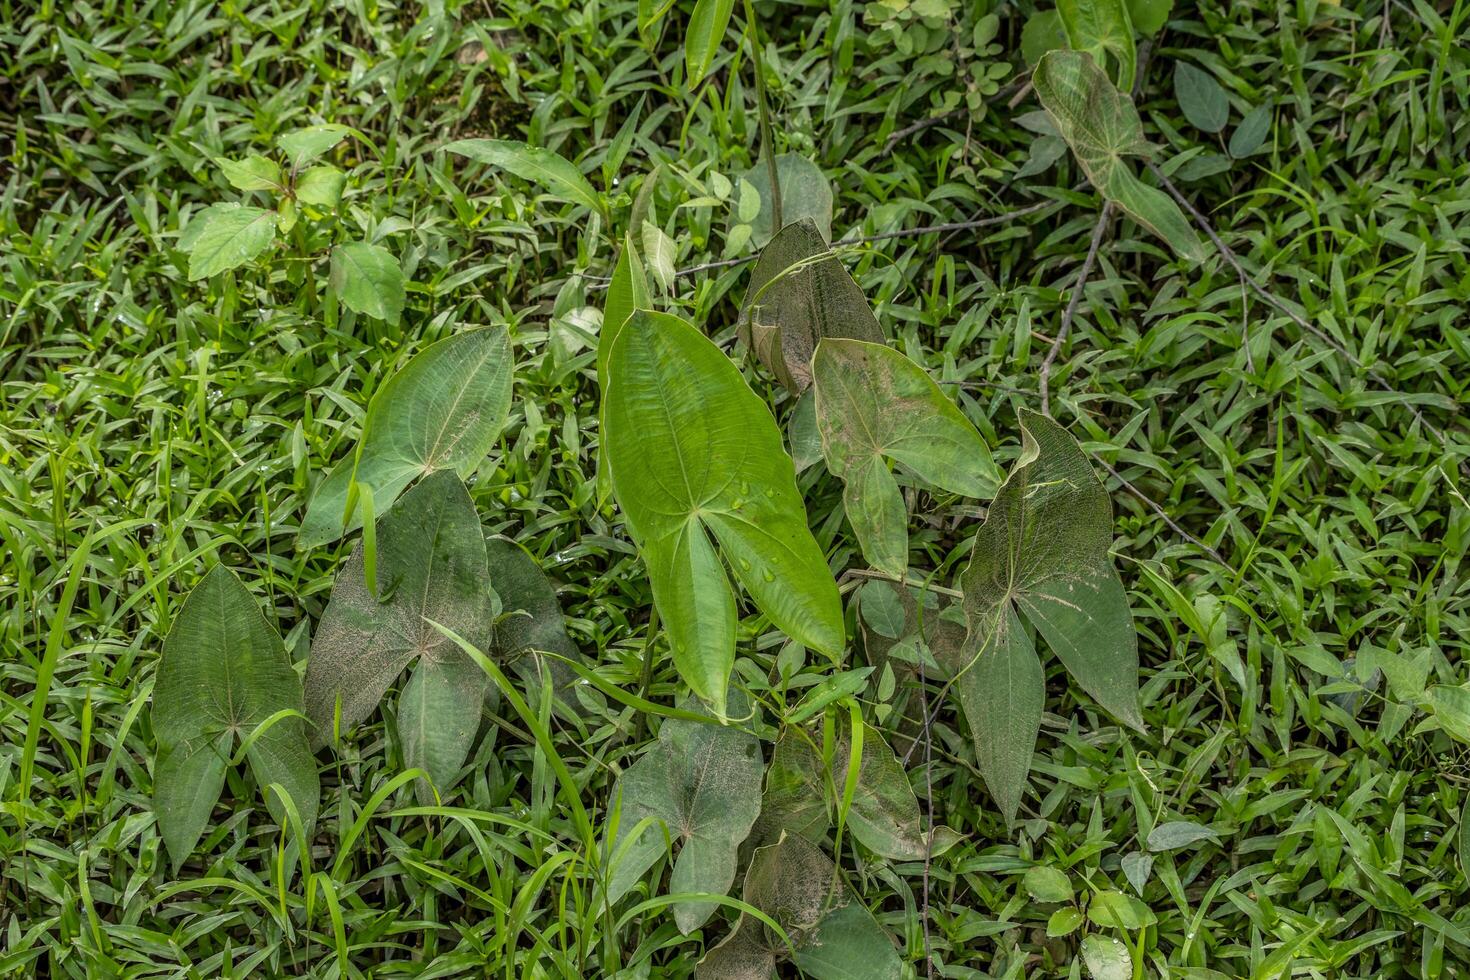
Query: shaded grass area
x,y
151,426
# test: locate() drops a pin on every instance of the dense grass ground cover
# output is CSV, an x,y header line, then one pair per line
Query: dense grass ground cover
x,y
1290,506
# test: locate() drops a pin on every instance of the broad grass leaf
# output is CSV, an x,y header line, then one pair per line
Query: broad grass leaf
x,y
532,620
694,453
368,279
707,26
1102,127
304,145
431,568
1101,28
874,405
224,672
800,293
230,235
443,410
703,782
1201,98
805,193
1042,553
535,164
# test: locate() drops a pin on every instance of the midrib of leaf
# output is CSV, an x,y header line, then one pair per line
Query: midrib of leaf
x,y
220,623
220,248
874,443
700,773
418,644
433,461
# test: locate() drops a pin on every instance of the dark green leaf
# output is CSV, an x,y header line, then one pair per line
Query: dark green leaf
x,y
1251,134
805,193
1201,98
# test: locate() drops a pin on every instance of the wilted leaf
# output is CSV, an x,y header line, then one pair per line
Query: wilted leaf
x,y
1106,958
1101,126
254,173
799,293
368,279
805,193
1042,553
1201,98
304,145
696,452
535,164
224,672
742,955
431,568
1101,29
229,236
875,406
706,33
533,620
703,782
442,410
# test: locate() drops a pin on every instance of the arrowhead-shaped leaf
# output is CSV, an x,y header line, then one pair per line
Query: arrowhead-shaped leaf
x,y
1042,553
799,293
535,164
1101,28
431,568
703,782
224,673
229,235
696,453
368,279
805,193
1101,126
442,411
875,406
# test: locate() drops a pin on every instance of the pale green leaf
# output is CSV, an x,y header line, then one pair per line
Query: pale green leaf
x,y
696,453
431,568
707,26
321,186
805,193
368,279
224,673
1201,98
442,410
703,782
1101,28
658,248
799,293
1063,922
1149,16
1106,958
1047,884
1115,910
254,173
229,236
874,406
302,146
1178,833
532,163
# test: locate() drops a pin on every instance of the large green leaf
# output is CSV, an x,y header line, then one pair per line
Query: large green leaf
x,y
224,678
1102,29
875,406
798,294
1102,127
532,622
431,568
695,452
703,782
707,26
228,235
535,164
833,935
805,193
368,279
1042,554
627,292
442,411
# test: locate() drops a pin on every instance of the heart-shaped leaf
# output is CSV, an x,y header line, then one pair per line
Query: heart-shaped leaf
x,y
805,193
703,782
695,452
224,680
875,406
431,568
442,411
1101,126
228,235
1042,553
535,164
1101,28
798,294
369,280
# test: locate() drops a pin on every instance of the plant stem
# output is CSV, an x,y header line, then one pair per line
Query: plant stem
x,y
768,144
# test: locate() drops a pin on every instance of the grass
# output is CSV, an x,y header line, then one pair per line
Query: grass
x,y
151,426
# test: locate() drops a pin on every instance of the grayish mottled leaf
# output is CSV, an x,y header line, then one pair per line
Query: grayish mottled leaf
x,y
1045,151
224,672
535,164
533,620
229,235
368,279
874,406
799,293
1136,868
1178,833
805,193
802,434
442,410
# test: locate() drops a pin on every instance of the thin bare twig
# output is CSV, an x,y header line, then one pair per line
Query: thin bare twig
x,y
1078,289
1163,514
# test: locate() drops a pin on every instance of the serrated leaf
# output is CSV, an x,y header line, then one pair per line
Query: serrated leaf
x,y
533,621
431,568
1149,16
805,193
1201,98
1102,127
1106,958
442,410
707,26
224,672
703,782
533,163
230,235
368,279
304,145
1042,553
321,186
800,293
875,406
1101,29
695,452
254,173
